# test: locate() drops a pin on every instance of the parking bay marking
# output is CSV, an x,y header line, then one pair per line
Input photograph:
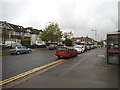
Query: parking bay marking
x,y
28,72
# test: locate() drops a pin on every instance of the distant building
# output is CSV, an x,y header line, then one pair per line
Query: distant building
x,y
83,40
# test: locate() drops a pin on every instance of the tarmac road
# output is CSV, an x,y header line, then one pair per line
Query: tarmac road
x,y
15,64
88,70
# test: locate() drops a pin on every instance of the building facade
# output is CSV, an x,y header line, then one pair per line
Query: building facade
x,y
11,32
83,40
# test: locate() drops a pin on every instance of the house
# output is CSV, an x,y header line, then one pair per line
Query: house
x,y
15,33
83,40
11,32
35,35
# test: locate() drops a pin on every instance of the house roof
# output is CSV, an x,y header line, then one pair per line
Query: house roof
x,y
33,31
4,24
83,38
19,28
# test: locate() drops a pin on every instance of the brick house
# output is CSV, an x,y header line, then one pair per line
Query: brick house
x,y
83,40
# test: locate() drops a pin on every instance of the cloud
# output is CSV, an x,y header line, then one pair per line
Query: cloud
x,y
79,16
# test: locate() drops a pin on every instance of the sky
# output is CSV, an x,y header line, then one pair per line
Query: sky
x,y
78,16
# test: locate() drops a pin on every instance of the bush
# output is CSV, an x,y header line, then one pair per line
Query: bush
x,y
26,42
68,42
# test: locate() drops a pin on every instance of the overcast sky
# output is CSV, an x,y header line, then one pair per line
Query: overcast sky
x,y
78,16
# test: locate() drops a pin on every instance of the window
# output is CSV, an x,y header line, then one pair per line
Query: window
x,y
62,49
17,33
19,47
24,47
27,34
70,49
12,32
113,43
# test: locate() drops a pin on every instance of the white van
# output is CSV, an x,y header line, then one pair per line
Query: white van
x,y
11,44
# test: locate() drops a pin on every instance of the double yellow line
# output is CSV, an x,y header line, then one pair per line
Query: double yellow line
x,y
28,72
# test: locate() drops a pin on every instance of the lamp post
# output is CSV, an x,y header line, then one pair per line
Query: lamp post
x,y
95,34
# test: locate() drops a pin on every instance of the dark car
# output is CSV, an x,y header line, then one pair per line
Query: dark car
x,y
19,50
65,51
52,46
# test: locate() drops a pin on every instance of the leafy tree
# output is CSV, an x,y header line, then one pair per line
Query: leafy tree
x,y
68,35
68,42
51,33
100,42
118,30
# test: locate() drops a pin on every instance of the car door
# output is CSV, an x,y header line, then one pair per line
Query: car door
x,y
20,49
72,51
69,51
25,49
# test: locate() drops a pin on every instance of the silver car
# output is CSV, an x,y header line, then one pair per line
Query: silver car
x,y
19,50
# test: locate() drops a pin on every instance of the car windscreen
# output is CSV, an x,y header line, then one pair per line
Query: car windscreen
x,y
61,49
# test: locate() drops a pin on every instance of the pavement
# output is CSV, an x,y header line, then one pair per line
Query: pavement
x,y
87,70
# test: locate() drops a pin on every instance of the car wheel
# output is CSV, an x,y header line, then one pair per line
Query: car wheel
x,y
29,51
69,56
17,52
12,53
76,54
59,57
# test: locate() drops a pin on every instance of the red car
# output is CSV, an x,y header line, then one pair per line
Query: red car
x,y
64,51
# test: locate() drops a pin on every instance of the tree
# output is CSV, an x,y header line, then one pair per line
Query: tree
x,y
100,42
51,33
68,42
68,35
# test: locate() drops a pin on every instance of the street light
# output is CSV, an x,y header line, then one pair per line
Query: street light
x,y
95,34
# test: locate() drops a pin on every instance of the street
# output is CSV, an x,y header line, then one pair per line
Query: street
x,y
16,64
56,44
87,70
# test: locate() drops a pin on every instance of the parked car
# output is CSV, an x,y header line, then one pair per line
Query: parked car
x,y
92,46
95,46
85,46
20,49
52,46
88,47
79,48
65,51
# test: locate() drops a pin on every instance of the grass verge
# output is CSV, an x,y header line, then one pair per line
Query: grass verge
x,y
2,53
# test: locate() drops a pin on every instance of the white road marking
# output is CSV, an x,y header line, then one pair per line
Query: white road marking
x,y
101,55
